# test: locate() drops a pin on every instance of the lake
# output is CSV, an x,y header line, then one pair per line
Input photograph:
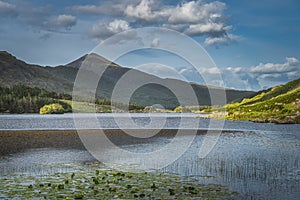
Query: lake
x,y
260,161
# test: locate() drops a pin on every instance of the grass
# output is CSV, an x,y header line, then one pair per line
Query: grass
x,y
86,107
81,106
280,104
101,183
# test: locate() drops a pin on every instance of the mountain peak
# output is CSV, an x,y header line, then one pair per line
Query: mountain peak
x,y
7,59
5,56
78,62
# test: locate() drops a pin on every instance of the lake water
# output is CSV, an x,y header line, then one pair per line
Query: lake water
x,y
260,161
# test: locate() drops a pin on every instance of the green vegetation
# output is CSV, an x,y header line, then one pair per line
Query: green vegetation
x,y
61,80
102,106
26,99
182,109
194,109
280,104
100,183
54,108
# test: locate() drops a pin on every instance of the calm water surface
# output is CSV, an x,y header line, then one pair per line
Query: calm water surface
x,y
260,161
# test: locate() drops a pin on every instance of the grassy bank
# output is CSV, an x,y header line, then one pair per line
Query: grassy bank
x,y
280,104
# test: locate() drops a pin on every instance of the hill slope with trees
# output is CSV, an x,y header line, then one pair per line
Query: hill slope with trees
x,y
61,79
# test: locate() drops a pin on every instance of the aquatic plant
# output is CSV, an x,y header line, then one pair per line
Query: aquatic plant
x,y
90,183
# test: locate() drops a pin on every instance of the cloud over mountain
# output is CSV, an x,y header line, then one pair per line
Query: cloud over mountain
x,y
264,74
194,18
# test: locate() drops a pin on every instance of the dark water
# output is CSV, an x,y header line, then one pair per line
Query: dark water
x,y
260,161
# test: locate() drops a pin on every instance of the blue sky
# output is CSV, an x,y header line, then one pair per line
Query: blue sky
x,y
255,44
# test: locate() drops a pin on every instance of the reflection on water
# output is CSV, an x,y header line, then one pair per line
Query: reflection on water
x,y
252,163
260,161
42,161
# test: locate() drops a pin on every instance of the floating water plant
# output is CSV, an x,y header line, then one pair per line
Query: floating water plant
x,y
91,183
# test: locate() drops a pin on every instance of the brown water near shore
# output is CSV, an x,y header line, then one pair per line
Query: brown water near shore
x,y
14,141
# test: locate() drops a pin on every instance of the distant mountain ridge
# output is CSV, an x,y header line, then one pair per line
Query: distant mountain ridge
x,y
61,79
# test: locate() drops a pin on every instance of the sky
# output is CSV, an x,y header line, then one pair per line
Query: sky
x,y
254,44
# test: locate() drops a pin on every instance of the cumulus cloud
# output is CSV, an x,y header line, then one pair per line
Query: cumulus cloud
x,y
291,64
117,26
257,77
194,18
263,75
64,21
209,28
225,39
102,30
196,12
144,11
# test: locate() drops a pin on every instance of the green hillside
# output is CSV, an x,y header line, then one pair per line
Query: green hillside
x,y
26,99
280,104
61,79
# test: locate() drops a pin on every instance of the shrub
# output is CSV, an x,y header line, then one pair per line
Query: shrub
x,y
54,108
182,109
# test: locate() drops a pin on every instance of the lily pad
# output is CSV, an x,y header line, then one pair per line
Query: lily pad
x,y
94,182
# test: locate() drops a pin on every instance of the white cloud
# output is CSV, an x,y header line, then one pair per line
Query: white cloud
x,y
266,75
65,21
102,30
210,70
257,77
196,12
155,42
144,11
194,18
270,76
118,25
293,75
209,28
223,39
140,11
291,64
6,8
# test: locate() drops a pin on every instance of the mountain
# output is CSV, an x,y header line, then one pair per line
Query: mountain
x,y
14,72
280,104
61,79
